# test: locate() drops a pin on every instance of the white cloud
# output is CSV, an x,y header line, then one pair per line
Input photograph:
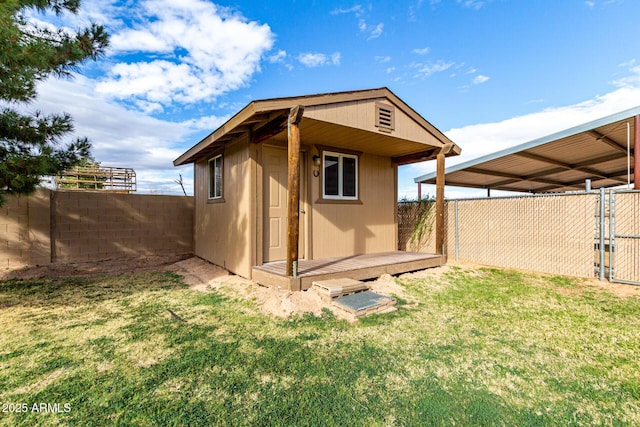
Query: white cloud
x,y
357,9
359,12
592,3
472,4
427,70
279,56
482,139
479,79
207,123
422,51
383,59
631,80
122,137
312,60
376,31
194,51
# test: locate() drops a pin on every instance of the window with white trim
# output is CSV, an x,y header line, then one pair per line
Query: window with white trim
x,y
340,176
215,177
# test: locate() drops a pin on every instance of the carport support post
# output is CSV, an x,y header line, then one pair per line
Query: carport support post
x,y
636,153
440,198
293,186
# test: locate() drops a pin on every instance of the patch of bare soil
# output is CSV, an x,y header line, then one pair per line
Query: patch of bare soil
x,y
205,277
618,289
93,268
202,276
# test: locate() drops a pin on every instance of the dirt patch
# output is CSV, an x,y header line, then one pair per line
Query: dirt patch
x,y
93,268
618,289
205,277
202,276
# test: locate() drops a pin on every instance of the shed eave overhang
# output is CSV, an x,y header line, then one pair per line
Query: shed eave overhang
x,y
263,119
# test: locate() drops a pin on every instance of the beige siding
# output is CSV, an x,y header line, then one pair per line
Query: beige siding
x,y
361,114
344,228
223,229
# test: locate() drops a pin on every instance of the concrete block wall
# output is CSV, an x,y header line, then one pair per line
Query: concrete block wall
x,y
25,230
93,225
74,226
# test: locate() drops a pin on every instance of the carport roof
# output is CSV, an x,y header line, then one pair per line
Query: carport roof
x,y
556,163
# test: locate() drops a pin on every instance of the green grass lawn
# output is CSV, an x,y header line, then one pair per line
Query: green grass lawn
x,y
471,347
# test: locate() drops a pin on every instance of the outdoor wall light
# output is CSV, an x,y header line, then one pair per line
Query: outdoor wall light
x,y
316,162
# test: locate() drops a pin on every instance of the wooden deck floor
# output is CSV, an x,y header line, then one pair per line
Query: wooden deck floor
x,y
357,267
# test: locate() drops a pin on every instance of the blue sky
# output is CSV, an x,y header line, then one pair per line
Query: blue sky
x,y
488,73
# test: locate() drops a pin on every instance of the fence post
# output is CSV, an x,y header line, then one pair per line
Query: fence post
x,y
612,234
457,240
602,229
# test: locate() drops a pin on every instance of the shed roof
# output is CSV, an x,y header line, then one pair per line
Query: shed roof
x,y
556,163
267,118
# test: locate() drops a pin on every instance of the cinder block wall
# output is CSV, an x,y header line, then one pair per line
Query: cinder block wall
x,y
73,226
24,230
93,226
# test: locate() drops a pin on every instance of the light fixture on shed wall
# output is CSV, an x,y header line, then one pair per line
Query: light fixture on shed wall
x,y
316,163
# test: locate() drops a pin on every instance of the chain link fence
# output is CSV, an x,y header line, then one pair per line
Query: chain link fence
x,y
624,236
553,234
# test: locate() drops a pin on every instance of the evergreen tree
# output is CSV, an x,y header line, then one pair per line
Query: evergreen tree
x,y
31,145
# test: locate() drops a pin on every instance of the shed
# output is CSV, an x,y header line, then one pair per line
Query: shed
x,y
343,150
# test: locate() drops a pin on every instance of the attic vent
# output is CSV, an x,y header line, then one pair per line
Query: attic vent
x,y
385,117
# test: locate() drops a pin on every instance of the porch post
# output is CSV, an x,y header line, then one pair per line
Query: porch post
x,y
440,198
419,191
636,153
293,186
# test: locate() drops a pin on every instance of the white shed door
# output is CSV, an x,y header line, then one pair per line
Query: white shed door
x,y
275,205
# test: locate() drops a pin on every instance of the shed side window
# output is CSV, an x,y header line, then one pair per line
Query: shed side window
x,y
215,177
340,176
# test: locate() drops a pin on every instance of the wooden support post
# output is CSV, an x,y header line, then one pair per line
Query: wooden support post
x,y
440,198
293,187
419,191
636,153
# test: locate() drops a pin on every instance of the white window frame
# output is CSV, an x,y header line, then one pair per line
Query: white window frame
x,y
340,157
212,179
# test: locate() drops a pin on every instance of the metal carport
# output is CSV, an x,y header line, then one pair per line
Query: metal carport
x,y
601,151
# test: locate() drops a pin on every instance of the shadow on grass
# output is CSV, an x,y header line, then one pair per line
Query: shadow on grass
x,y
238,379
76,291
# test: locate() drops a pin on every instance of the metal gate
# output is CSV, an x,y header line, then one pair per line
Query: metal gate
x,y
624,236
